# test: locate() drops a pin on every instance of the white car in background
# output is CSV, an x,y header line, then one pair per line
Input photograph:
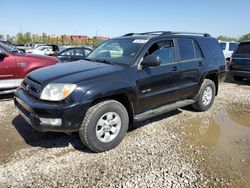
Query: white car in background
x,y
228,48
41,50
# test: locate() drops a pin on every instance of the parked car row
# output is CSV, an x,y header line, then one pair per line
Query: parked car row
x,y
15,65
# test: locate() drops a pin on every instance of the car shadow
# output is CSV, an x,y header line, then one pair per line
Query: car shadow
x,y
35,138
141,124
230,79
6,97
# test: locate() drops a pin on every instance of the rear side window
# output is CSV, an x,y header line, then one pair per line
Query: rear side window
x,y
189,49
198,53
223,45
186,49
232,46
244,48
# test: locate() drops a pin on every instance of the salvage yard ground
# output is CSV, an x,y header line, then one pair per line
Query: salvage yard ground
x,y
181,148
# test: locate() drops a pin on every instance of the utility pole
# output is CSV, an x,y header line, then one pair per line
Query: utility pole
x,y
21,28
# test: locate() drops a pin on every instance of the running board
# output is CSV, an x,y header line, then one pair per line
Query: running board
x,y
162,109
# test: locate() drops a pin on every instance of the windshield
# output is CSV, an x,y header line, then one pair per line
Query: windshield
x,y
9,47
244,48
117,51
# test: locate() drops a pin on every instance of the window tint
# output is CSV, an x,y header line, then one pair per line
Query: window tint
x,y
223,45
244,48
163,49
233,46
198,53
186,49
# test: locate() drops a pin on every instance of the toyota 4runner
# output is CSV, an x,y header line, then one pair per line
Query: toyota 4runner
x,y
125,79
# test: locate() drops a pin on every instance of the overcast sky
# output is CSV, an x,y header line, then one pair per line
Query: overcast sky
x,y
114,18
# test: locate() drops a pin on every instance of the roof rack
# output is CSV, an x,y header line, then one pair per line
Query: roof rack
x,y
191,33
168,33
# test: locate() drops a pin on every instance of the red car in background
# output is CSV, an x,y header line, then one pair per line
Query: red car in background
x,y
15,65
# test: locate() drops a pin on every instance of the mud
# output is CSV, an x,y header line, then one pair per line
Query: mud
x,y
223,144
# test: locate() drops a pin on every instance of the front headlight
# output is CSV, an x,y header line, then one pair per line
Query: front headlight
x,y
57,92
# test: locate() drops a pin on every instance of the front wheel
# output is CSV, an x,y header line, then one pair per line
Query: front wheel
x,y
104,126
205,97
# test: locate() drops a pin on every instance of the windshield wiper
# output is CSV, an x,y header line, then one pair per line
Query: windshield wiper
x,y
87,59
105,61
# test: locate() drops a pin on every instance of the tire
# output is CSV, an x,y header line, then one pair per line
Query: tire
x,y
203,102
238,78
104,126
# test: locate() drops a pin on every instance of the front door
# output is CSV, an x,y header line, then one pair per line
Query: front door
x,y
159,85
7,66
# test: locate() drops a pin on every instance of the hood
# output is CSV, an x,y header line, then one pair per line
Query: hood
x,y
73,72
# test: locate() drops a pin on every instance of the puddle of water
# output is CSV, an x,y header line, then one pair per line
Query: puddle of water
x,y
239,114
204,131
227,139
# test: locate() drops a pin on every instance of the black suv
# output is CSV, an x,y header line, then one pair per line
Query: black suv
x,y
240,62
125,79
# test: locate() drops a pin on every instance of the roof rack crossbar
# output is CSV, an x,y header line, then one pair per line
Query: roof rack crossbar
x,y
168,33
191,33
148,33
128,34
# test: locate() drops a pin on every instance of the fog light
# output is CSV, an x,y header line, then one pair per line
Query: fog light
x,y
50,121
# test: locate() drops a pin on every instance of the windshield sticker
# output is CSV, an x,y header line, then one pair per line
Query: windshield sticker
x,y
140,41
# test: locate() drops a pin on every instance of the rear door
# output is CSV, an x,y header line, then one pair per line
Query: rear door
x,y
159,85
191,64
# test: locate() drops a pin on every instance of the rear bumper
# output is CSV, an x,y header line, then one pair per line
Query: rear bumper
x,y
245,74
33,109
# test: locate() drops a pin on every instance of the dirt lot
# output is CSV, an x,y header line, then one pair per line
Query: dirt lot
x,y
179,149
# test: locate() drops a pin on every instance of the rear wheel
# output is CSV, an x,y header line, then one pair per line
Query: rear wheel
x,y
205,97
104,126
238,78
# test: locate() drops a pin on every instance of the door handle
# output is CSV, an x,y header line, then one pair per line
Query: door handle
x,y
200,64
174,68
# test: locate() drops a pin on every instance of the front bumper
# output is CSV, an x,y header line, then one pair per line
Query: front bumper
x,y
71,113
245,74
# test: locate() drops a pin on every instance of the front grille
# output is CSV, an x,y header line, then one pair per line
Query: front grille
x,y
32,86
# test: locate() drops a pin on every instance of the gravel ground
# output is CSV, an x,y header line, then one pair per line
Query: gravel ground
x,y
160,152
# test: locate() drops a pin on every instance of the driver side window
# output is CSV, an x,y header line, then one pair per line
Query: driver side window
x,y
164,50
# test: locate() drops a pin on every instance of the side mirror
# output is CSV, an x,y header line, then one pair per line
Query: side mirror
x,y
151,61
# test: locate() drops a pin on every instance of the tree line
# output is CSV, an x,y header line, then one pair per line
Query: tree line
x,y
241,39
25,38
